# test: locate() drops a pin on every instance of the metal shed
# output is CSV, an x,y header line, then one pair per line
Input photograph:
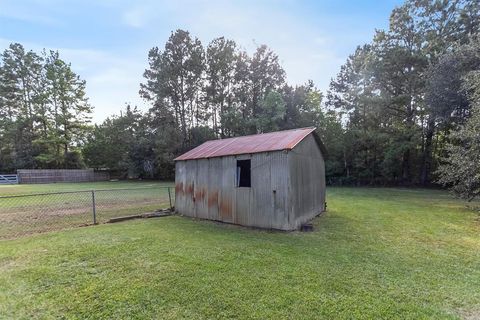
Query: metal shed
x,y
273,180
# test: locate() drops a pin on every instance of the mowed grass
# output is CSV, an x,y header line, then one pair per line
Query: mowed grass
x,y
376,253
18,189
41,209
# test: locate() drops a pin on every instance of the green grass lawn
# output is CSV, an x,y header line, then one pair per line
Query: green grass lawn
x,y
376,253
16,189
47,211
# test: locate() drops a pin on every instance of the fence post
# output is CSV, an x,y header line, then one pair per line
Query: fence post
x,y
93,207
170,198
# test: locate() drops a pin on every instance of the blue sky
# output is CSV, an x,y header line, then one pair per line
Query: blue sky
x,y
107,41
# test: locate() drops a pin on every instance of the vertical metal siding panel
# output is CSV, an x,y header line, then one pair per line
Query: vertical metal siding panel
x,y
215,172
279,190
244,196
307,175
227,190
201,189
182,186
194,183
323,184
318,168
261,204
242,207
180,172
296,178
268,209
189,187
292,194
258,178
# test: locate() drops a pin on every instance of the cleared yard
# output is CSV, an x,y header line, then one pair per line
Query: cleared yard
x,y
72,208
376,253
16,189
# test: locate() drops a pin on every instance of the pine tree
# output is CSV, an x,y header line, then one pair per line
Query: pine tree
x,y
174,81
70,108
219,89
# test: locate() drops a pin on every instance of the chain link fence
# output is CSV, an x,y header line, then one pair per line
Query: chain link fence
x,y
41,212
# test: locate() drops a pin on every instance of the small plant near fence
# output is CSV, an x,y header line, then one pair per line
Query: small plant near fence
x,y
41,212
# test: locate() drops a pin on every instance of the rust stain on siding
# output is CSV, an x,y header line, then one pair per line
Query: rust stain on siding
x,y
200,194
213,199
179,188
225,209
189,189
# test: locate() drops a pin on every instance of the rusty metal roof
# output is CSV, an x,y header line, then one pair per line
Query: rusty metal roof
x,y
272,141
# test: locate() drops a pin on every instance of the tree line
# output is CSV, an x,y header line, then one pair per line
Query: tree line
x,y
402,94
199,93
397,113
44,112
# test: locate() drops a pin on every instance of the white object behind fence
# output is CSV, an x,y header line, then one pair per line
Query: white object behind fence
x,y
8,179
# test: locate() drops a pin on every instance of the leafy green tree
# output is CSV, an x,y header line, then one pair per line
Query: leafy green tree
x,y
447,97
444,25
397,66
352,95
332,133
384,91
271,113
122,144
303,106
460,169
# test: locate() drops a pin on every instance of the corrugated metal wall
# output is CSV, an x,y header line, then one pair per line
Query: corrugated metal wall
x,y
287,189
307,176
206,189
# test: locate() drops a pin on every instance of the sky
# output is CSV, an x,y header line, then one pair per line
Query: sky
x,y
107,41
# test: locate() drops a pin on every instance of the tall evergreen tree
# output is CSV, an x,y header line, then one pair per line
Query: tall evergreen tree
x,y
70,107
44,111
20,88
220,74
174,81
266,75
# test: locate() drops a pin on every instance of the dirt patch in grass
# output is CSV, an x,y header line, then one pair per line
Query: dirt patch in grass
x,y
470,314
21,221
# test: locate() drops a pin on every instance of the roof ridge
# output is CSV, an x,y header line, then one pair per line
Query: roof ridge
x,y
262,133
254,143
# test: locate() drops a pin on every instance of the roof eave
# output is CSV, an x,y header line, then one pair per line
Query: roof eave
x,y
198,155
